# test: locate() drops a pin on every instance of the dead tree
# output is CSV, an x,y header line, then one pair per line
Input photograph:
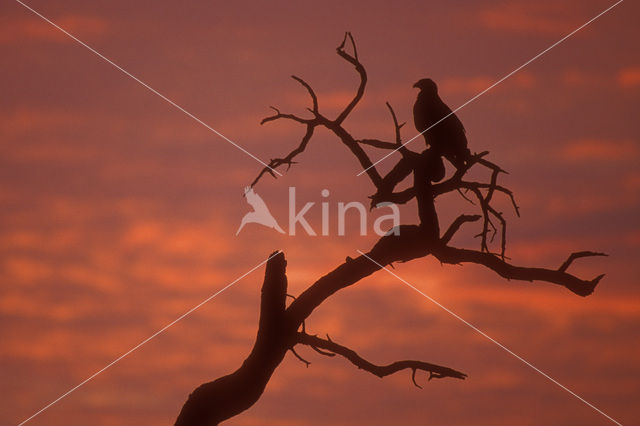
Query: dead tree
x,y
281,327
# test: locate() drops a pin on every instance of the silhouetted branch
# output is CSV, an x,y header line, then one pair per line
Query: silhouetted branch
x,y
281,328
376,143
396,126
453,228
435,371
321,352
411,244
353,59
578,255
280,115
486,220
499,188
483,191
314,98
288,159
334,126
277,330
452,255
297,355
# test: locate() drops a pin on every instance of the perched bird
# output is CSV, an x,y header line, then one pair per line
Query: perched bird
x,y
447,137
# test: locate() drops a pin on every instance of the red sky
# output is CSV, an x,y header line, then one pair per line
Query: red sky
x,y
119,212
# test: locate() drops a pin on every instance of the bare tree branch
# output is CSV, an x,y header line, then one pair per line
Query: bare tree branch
x,y
277,331
288,159
353,59
314,98
453,228
452,255
377,143
297,355
333,125
435,371
578,255
280,115
411,244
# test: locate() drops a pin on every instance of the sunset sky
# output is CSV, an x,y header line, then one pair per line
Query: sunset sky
x,y
119,212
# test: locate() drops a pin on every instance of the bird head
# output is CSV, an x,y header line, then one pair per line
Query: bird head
x,y
427,85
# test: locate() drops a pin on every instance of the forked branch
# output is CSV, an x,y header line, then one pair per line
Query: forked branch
x,y
319,119
435,371
353,59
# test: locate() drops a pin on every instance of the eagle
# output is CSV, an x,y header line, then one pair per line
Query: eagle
x,y
447,137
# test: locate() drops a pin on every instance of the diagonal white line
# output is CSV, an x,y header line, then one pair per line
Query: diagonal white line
x,y
493,340
147,339
496,83
151,89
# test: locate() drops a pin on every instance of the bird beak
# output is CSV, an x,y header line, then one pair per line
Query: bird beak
x,y
416,85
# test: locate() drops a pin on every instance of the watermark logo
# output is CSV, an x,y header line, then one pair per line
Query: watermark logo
x,y
260,213
262,216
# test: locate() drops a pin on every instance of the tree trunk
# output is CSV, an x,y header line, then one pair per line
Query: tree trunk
x,y
230,395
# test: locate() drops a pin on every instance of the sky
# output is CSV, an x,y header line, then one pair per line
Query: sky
x,y
119,212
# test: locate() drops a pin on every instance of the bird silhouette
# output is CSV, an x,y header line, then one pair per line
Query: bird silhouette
x,y
260,213
447,137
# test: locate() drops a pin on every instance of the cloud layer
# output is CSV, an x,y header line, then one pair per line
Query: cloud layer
x,y
119,212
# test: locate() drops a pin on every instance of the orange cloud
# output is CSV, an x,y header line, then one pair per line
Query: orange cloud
x,y
581,204
38,30
93,270
26,269
22,120
527,18
629,78
601,150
